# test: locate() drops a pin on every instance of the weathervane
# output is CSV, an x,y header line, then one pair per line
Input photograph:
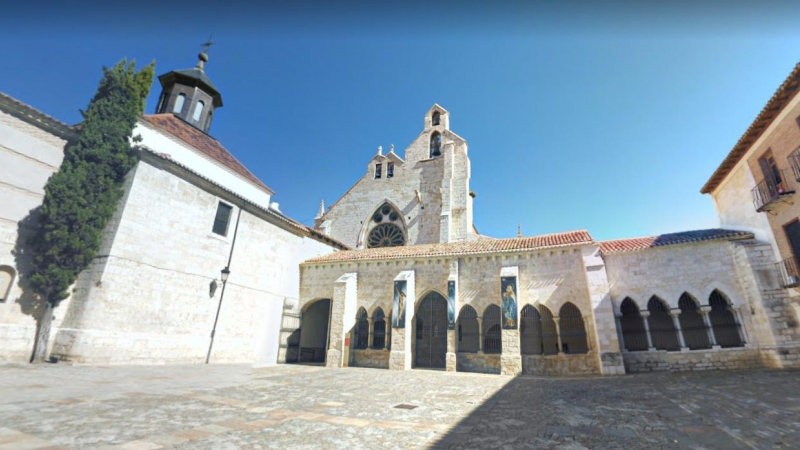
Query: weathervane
x,y
206,45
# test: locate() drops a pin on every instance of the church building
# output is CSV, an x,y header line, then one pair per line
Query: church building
x,y
421,288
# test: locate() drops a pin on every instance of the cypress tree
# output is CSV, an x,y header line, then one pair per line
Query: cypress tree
x,y
82,196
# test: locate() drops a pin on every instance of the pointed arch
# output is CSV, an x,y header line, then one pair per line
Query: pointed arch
x,y
549,334
361,329
492,342
385,227
726,328
530,330
662,327
573,329
468,332
634,334
378,329
436,145
695,333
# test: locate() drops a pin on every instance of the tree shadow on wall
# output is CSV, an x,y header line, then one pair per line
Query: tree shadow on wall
x,y
30,304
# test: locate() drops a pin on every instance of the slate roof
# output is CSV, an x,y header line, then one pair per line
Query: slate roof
x,y
684,237
479,246
774,106
202,142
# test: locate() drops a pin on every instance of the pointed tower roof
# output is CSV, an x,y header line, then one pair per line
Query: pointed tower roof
x,y
193,77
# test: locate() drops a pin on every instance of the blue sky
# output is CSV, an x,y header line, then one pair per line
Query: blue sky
x,y
577,116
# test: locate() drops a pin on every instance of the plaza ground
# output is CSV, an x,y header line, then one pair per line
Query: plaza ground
x,y
292,406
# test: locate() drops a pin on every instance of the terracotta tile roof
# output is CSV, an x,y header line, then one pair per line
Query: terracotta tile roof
x,y
684,237
202,142
478,246
774,106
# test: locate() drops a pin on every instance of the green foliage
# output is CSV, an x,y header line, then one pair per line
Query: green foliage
x,y
82,196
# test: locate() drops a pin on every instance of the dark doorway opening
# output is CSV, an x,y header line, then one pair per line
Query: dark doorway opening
x,y
312,340
431,332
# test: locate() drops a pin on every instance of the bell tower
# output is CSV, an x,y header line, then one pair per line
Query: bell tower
x,y
190,94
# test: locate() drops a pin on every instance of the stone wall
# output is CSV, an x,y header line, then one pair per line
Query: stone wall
x,y
561,364
375,358
29,155
148,297
442,212
659,361
548,277
478,362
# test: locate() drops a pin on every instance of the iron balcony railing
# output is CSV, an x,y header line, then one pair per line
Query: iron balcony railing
x,y
772,189
789,274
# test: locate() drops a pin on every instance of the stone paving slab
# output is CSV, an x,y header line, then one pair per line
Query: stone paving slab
x,y
312,407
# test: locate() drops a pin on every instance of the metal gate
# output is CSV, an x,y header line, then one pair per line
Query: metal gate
x,y
431,330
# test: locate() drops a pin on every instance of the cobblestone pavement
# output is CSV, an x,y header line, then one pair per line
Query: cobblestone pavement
x,y
285,407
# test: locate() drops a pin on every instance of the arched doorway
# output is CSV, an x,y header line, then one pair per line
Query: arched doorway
x,y
431,332
313,336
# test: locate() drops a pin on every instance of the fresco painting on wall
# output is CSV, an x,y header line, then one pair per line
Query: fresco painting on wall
x,y
399,307
508,292
451,305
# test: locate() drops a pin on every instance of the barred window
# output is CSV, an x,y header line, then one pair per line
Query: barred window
x,y
662,328
362,329
694,329
468,336
573,330
549,335
723,322
632,322
531,331
378,329
492,342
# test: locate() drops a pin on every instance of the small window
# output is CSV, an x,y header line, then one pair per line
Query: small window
x,y
198,111
389,170
378,169
222,219
178,108
6,280
769,169
436,119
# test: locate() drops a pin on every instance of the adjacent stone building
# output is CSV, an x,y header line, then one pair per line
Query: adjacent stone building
x,y
191,216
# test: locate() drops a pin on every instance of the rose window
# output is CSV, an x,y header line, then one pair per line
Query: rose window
x,y
386,235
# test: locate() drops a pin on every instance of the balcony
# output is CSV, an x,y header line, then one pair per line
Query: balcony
x,y
789,275
768,193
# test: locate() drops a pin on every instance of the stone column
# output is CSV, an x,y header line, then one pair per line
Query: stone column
x,y
480,334
645,315
605,333
369,332
510,355
704,310
676,321
343,318
386,330
557,321
737,318
450,357
620,338
400,355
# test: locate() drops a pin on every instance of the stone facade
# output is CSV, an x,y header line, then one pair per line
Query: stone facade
x,y
152,293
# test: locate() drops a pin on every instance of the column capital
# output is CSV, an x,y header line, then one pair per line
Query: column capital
x,y
674,313
705,310
644,314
